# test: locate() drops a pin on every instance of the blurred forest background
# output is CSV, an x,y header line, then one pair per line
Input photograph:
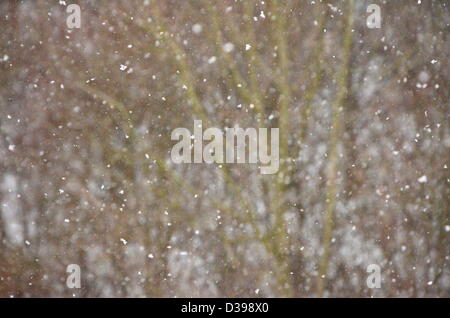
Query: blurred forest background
x,y
86,177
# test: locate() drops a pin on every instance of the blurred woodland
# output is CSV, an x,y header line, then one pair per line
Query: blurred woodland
x,y
86,178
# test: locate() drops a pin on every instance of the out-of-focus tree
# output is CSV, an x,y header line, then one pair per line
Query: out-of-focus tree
x,y
86,178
